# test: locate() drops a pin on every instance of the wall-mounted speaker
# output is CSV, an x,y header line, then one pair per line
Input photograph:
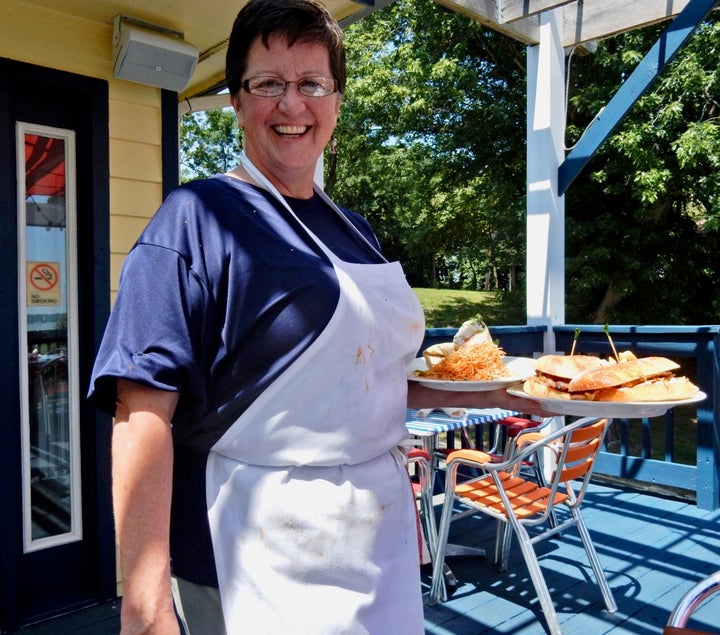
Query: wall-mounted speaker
x,y
152,55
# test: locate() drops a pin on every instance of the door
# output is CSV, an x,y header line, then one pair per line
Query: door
x,y
56,537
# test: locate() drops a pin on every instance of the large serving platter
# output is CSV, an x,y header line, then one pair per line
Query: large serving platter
x,y
520,367
612,409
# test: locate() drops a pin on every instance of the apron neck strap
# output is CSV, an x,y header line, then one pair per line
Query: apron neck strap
x,y
261,180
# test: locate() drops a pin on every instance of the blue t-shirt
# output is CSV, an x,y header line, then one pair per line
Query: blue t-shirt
x,y
221,293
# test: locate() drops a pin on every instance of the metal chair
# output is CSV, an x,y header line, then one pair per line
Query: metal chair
x,y
688,603
502,493
422,488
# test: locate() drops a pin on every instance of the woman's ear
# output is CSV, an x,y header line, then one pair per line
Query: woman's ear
x,y
235,103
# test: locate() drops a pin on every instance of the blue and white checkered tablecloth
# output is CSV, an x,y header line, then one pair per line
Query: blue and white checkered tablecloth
x,y
437,421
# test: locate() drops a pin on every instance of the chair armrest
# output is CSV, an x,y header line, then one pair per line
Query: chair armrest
x,y
691,600
417,453
473,457
527,438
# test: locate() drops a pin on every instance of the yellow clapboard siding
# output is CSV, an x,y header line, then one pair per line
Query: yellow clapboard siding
x,y
116,263
68,43
125,230
135,167
132,121
122,92
135,198
135,161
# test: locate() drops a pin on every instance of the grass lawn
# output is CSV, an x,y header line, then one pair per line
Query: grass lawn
x,y
451,307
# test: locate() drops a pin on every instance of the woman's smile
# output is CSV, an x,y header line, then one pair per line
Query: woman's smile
x,y
291,131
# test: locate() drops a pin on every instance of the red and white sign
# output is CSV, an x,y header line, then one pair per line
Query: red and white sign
x,y
43,283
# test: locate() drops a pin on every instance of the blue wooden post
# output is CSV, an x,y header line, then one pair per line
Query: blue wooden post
x,y
708,435
659,56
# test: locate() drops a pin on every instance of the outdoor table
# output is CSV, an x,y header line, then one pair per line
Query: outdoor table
x,y
438,422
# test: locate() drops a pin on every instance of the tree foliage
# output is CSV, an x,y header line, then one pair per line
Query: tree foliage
x,y
432,150
642,222
208,143
431,143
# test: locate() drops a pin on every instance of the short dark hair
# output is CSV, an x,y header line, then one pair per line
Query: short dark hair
x,y
296,21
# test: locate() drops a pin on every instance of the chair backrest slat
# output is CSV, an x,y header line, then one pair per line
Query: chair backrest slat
x,y
580,452
576,471
588,432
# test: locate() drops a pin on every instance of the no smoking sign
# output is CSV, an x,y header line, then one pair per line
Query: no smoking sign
x,y
43,283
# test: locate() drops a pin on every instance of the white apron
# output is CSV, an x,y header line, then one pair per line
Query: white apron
x,y
311,513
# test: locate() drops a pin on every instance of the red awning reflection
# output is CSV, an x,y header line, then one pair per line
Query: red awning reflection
x,y
44,166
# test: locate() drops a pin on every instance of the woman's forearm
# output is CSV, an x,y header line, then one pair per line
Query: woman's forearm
x,y
142,456
420,396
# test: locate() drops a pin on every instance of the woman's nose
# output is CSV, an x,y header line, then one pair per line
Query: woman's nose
x,y
292,98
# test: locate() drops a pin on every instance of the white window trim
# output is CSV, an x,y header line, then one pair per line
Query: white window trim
x,y
70,287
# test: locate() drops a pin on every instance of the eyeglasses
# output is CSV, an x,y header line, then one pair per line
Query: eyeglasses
x,y
274,86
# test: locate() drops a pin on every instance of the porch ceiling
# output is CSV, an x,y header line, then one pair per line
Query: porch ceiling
x,y
206,23
583,20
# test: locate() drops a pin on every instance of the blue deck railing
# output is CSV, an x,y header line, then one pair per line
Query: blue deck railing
x,y
646,450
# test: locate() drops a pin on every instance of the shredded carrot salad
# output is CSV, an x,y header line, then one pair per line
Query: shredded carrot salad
x,y
472,362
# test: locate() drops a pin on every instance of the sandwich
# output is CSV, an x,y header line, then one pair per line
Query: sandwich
x,y
471,332
585,377
437,352
554,372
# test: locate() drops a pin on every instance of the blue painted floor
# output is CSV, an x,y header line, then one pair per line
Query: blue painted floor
x,y
652,548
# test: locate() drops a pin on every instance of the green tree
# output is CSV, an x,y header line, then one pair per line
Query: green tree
x,y
642,221
208,143
431,143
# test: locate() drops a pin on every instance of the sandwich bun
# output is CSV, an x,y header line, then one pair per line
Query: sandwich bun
x,y
567,366
588,378
659,389
613,375
538,388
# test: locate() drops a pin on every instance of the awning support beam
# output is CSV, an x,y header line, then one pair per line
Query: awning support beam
x,y
659,56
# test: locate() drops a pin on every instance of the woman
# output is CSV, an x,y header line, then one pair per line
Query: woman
x,y
255,362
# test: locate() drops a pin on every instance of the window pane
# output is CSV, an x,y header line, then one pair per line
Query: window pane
x,y
51,458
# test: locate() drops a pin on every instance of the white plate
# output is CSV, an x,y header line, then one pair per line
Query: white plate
x,y
612,409
521,367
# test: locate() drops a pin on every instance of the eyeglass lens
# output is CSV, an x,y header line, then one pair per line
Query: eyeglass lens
x,y
274,87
